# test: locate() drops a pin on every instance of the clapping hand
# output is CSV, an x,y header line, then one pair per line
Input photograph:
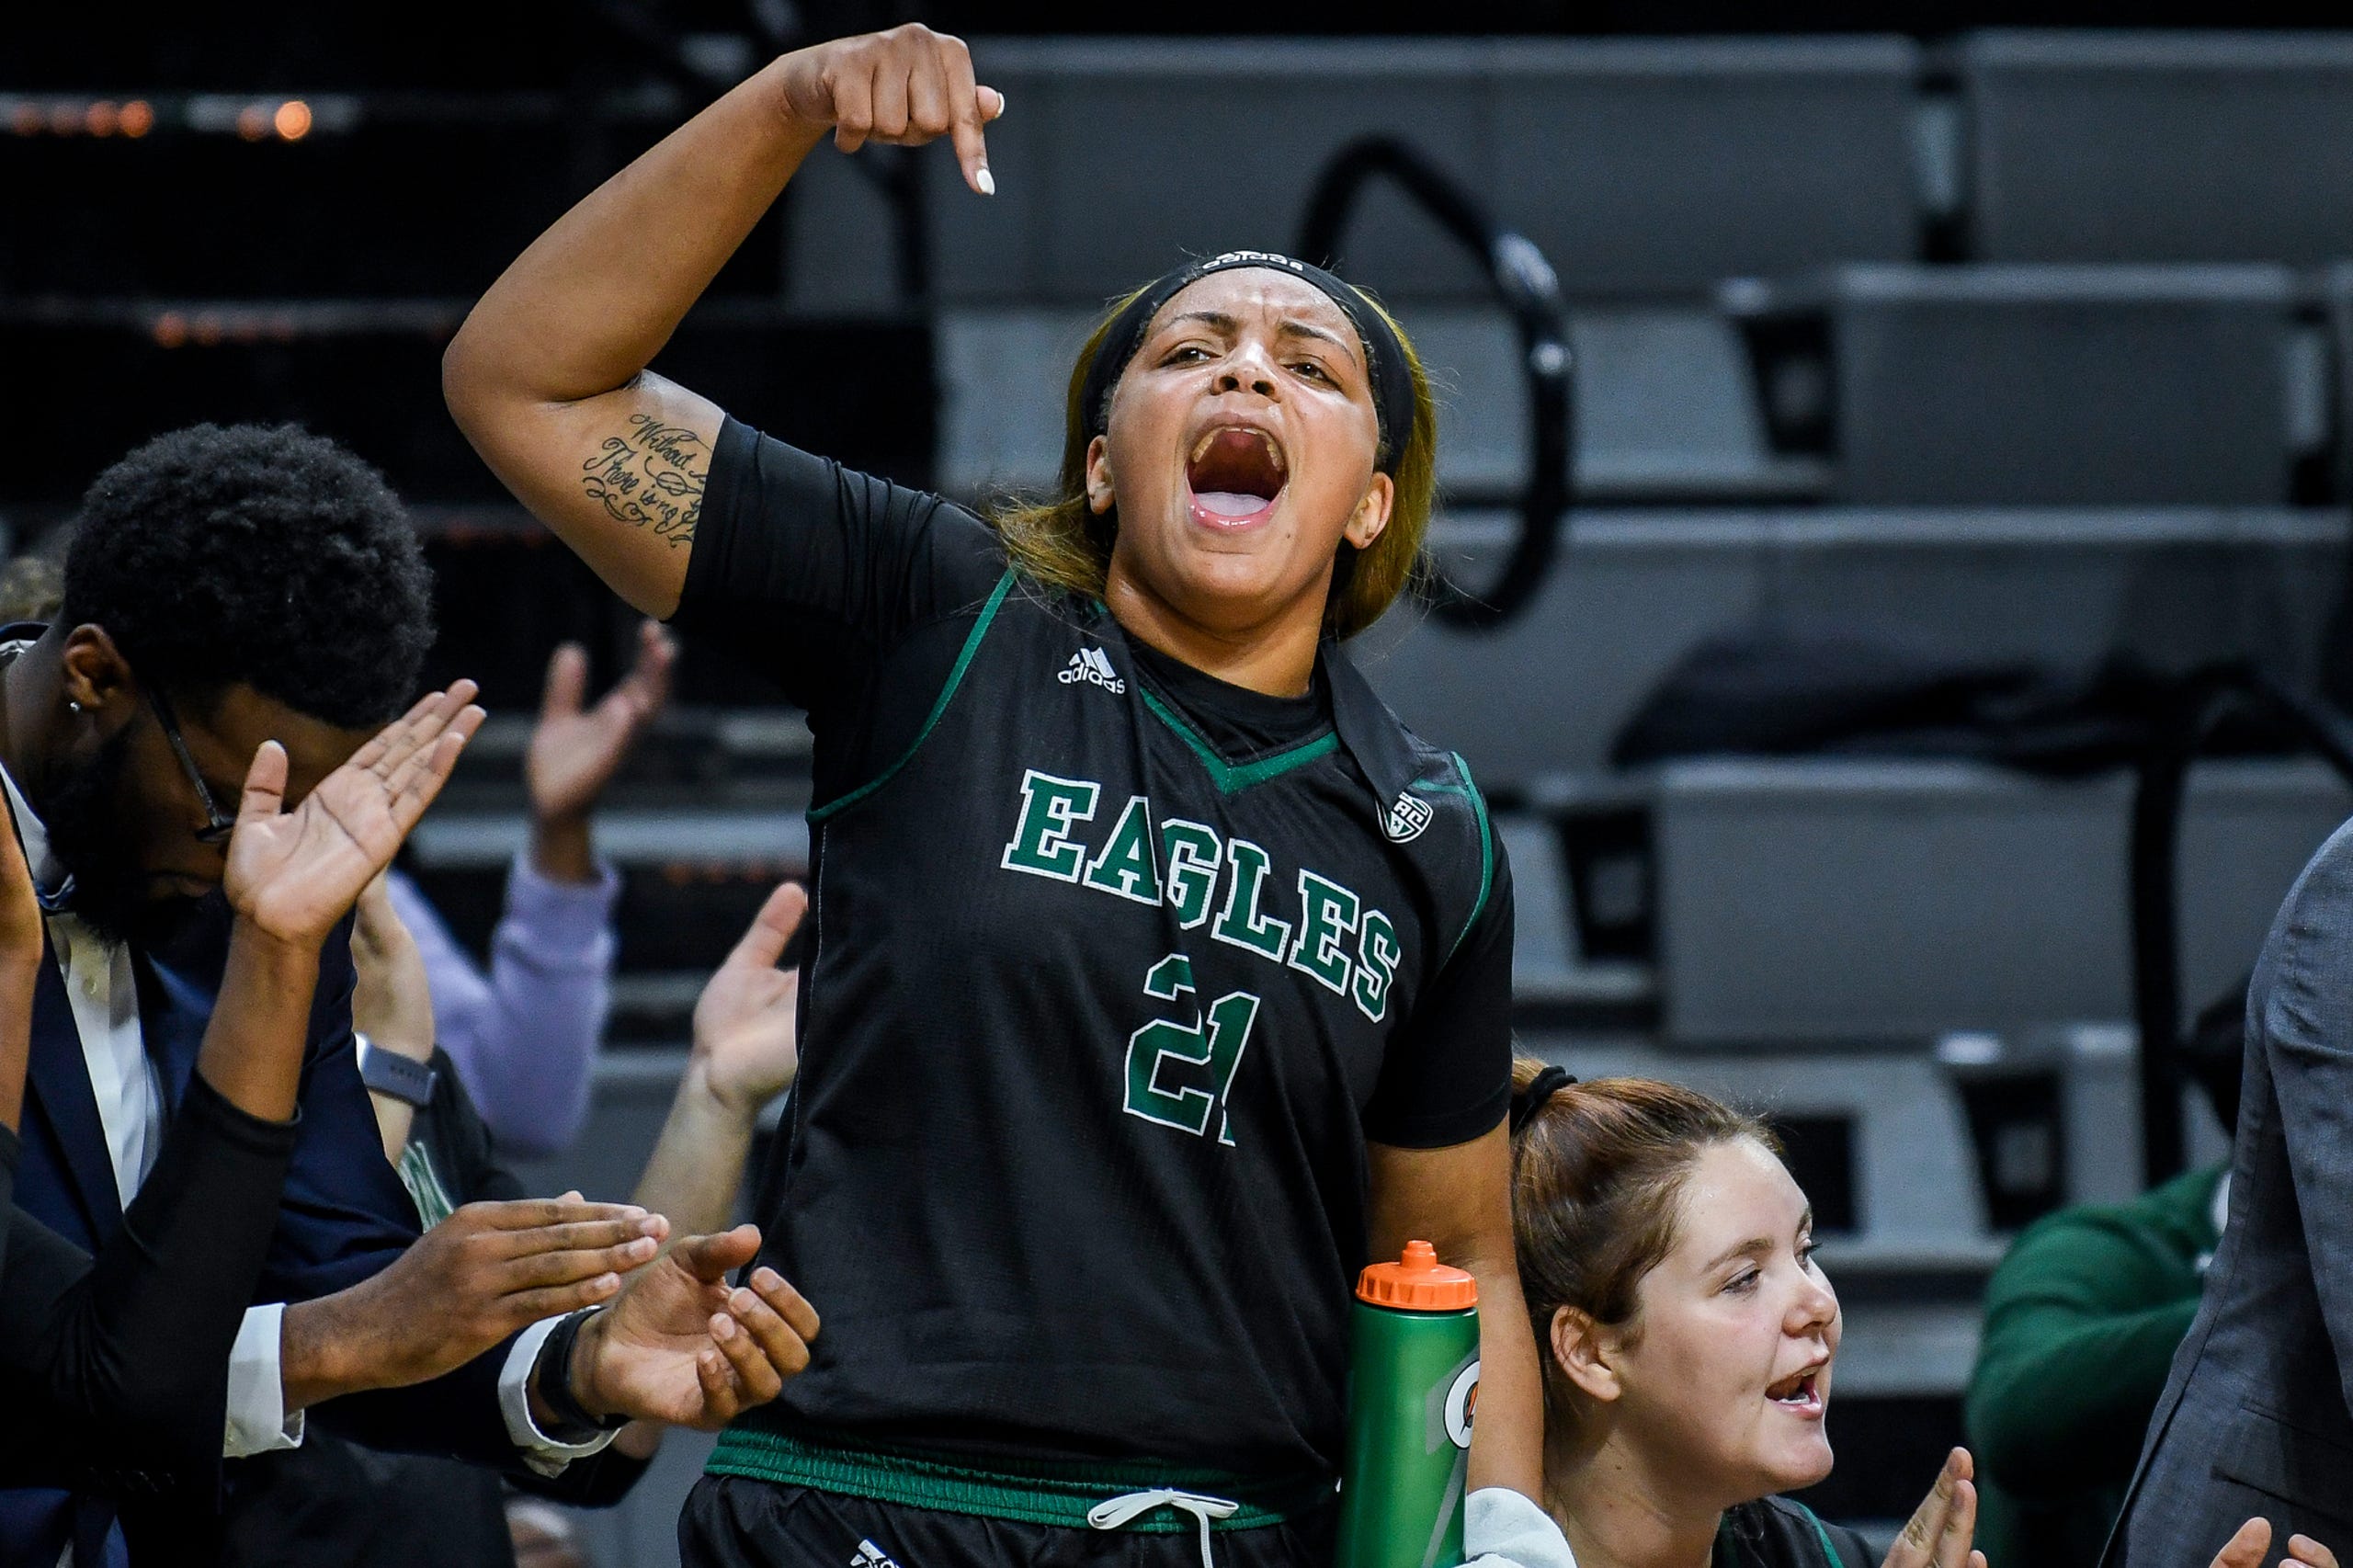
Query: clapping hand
x,y
746,1035
1941,1530
575,750
680,1347
291,875
746,1053
470,1281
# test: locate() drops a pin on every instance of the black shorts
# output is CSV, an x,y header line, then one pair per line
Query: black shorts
x,y
732,1521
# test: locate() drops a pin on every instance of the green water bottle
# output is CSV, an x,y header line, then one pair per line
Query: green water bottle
x,y
1413,1381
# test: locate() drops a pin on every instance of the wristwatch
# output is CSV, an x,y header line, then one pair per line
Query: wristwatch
x,y
389,1073
574,1423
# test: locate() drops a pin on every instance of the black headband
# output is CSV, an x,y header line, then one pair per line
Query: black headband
x,y
1529,1100
1385,353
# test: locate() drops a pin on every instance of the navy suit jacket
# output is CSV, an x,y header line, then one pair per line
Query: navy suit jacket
x,y
343,1216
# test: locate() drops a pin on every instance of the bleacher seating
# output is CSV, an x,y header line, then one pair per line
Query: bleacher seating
x,y
2049,385
1637,166
2154,147
1636,589
1876,901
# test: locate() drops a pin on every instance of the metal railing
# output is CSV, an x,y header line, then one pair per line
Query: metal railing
x,y
1525,283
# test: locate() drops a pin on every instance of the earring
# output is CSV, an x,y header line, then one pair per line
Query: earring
x,y
72,706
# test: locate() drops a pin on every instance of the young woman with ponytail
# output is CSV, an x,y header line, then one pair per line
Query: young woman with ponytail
x,y
1689,1338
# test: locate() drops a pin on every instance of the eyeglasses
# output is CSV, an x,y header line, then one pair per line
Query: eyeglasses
x,y
217,824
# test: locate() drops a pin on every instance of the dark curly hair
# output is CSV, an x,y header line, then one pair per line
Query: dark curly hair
x,y
258,554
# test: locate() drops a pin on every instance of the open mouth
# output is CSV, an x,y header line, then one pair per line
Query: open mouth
x,y
1800,1391
1236,474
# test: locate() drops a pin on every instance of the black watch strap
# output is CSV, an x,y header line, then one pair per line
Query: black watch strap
x,y
572,1419
390,1074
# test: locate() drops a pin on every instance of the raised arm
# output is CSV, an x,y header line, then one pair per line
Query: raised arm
x,y
747,1050
548,376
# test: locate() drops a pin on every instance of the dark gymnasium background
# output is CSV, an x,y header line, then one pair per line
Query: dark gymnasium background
x,y
1883,446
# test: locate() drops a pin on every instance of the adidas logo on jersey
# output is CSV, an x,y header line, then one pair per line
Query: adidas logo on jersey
x,y
869,1555
1093,666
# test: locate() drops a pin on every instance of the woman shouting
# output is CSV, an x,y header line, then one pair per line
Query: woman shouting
x,y
1160,977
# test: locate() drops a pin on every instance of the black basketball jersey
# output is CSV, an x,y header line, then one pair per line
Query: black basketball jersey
x,y
1115,970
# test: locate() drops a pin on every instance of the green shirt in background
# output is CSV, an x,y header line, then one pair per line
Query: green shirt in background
x,y
2082,1320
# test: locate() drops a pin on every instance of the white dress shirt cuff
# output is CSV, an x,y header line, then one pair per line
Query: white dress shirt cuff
x,y
257,1418
541,1452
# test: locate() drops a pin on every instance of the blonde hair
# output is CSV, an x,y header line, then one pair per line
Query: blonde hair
x,y
1061,541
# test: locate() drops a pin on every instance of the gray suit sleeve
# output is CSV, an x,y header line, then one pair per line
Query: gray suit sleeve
x,y
2303,1009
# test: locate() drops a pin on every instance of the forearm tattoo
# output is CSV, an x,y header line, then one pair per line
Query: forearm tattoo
x,y
651,476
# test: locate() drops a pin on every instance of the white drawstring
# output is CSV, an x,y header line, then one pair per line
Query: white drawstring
x,y
1115,1513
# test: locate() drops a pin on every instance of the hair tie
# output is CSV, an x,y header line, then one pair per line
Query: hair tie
x,y
1527,1102
1385,366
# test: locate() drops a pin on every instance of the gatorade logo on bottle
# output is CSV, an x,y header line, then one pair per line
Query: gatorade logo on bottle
x,y
1414,1384
1461,1405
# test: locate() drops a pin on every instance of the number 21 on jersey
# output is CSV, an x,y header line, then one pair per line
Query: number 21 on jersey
x,y
1167,1061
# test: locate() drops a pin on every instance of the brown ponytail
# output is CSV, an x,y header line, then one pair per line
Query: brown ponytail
x,y
1596,1170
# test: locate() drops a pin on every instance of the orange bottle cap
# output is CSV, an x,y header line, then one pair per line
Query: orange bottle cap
x,y
1417,1282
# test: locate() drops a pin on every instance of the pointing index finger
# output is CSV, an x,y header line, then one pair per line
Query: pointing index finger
x,y
967,112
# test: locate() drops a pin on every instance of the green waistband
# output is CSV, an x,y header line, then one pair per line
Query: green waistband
x,y
1036,1492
